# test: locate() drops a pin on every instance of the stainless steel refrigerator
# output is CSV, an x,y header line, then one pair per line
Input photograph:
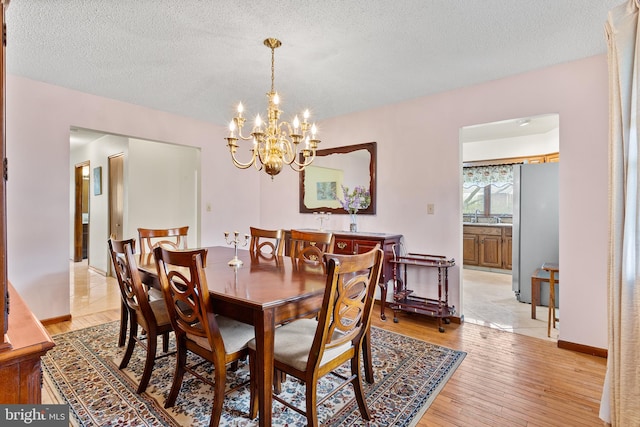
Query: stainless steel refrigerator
x,y
535,225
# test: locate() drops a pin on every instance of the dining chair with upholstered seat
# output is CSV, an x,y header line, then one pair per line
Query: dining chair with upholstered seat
x,y
124,310
309,247
308,349
266,243
174,238
151,316
198,329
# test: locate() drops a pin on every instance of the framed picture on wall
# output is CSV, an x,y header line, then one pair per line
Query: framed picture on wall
x,y
97,181
326,190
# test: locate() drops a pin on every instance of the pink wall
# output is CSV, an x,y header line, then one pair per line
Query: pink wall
x,y
39,116
419,161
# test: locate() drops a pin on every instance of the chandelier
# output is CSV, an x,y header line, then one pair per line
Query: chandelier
x,y
274,143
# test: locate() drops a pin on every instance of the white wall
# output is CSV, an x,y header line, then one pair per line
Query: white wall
x,y
150,169
157,171
419,162
522,146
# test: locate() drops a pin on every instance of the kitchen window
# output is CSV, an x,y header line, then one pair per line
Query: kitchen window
x,y
487,191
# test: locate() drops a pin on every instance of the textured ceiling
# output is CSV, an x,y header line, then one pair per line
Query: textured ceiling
x,y
199,58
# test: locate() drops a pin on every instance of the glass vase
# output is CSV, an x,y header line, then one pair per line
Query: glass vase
x,y
353,224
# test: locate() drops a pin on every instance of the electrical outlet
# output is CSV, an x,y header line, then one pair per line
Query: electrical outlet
x,y
430,209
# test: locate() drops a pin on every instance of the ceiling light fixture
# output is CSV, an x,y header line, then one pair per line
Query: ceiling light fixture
x,y
274,143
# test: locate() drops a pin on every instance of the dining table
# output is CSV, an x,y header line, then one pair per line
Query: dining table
x,y
264,291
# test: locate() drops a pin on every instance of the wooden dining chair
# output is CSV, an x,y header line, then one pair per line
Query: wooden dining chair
x,y
174,238
266,243
124,310
150,315
309,247
198,329
308,349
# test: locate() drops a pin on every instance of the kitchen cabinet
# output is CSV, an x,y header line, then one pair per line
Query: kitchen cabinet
x,y
507,247
487,246
550,158
470,249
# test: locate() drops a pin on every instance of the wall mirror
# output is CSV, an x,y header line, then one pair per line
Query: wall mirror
x,y
321,182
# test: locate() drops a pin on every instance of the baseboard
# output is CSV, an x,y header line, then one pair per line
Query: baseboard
x,y
54,320
581,348
456,319
97,270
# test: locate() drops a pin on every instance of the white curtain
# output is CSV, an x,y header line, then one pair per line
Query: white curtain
x,y
620,405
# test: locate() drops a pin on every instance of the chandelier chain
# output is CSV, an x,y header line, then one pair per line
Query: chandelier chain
x,y
273,73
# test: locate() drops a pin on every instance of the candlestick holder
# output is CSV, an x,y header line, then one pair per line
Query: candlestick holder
x,y
236,240
322,216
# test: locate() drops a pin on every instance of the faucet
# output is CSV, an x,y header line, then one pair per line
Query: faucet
x,y
498,219
475,215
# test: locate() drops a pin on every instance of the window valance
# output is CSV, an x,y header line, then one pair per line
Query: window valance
x,y
481,176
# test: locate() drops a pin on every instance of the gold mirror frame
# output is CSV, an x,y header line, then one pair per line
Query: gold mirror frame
x,y
323,161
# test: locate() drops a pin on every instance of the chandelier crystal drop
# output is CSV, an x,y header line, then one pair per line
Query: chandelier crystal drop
x,y
274,143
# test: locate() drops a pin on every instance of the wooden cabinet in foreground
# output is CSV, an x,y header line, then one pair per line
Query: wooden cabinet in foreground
x,y
23,338
20,370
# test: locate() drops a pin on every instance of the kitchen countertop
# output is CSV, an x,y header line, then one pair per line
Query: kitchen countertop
x,y
487,224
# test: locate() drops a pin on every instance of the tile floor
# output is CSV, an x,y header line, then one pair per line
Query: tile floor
x,y
91,291
488,300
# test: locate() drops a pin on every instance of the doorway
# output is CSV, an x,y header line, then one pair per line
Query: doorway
x,y
81,213
116,195
490,294
130,179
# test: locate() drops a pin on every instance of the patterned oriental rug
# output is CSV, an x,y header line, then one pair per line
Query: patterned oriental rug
x,y
82,371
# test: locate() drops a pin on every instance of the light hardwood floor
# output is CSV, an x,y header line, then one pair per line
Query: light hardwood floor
x,y
506,379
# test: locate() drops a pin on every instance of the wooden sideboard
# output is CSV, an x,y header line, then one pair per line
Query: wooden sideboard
x,y
359,242
20,370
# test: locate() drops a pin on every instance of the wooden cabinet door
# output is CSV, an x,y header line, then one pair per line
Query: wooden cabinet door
x,y
507,252
491,251
536,159
552,158
470,249
362,246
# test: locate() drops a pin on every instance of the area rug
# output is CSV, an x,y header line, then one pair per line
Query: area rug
x,y
82,371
